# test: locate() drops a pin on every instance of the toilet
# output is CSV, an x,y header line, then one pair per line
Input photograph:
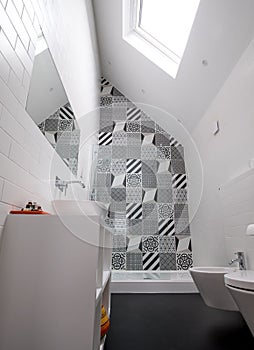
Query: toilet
x,y
241,286
210,283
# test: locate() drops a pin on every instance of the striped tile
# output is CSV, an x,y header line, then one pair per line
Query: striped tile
x,y
104,82
66,112
151,261
179,181
105,138
174,142
166,227
133,166
133,114
134,211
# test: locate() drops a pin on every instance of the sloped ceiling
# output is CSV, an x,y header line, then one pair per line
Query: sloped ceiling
x,y
221,32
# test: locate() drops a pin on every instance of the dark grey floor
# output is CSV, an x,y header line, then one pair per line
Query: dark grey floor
x,y
173,322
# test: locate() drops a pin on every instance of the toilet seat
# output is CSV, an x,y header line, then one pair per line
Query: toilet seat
x,y
242,279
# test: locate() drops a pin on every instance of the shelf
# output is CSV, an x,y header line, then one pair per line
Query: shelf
x,y
105,278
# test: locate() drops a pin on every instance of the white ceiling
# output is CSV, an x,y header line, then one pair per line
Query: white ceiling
x,y
221,32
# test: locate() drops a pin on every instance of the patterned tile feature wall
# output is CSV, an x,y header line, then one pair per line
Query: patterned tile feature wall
x,y
141,175
63,133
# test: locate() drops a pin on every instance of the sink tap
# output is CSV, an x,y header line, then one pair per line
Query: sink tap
x,y
240,259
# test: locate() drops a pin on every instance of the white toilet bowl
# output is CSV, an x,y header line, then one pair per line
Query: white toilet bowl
x,y
210,283
241,286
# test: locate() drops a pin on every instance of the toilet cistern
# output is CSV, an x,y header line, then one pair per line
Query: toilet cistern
x,y
240,259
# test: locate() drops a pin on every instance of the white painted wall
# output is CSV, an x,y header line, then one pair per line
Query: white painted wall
x,y
221,32
28,165
224,157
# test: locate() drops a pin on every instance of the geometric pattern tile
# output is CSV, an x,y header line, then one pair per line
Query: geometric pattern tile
x,y
166,227
141,176
167,244
119,261
134,261
167,261
184,261
151,261
150,244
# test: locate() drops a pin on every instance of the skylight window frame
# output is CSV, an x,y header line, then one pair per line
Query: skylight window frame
x,y
136,25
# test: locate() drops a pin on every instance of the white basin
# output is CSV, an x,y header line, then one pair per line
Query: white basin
x,y
79,207
210,283
241,286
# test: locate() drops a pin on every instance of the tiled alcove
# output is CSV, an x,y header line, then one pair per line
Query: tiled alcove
x,y
141,173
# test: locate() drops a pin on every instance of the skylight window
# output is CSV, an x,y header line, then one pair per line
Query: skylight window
x,y
168,21
164,25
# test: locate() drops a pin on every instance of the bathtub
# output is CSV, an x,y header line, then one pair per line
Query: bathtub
x,y
152,282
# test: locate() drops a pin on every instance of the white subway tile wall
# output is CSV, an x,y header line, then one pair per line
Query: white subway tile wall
x,y
26,168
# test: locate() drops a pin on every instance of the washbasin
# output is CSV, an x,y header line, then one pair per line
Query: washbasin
x,y
210,283
80,207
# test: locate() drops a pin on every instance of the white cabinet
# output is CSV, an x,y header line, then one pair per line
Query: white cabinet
x,y
54,276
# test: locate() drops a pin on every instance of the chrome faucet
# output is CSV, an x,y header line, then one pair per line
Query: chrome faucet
x,y
63,185
240,259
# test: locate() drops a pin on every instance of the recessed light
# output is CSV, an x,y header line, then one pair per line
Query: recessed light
x,y
143,91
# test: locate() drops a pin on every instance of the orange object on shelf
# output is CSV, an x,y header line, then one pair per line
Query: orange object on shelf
x,y
104,322
33,212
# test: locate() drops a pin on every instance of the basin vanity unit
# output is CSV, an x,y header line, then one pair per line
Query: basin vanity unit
x,y
54,276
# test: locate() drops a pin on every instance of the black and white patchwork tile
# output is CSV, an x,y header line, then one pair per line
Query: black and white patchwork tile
x,y
150,227
134,211
177,166
103,165
167,261
119,138
179,181
147,139
105,138
134,227
164,181
118,194
118,180
161,140
165,211
150,211
104,152
149,152
133,194
151,261
134,261
118,261
118,166
147,126
149,195
167,244
165,195
184,261
133,166
150,244
133,113
183,244
134,152
133,126
166,227
134,139
141,173
180,196
164,152
133,180
119,243
134,244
